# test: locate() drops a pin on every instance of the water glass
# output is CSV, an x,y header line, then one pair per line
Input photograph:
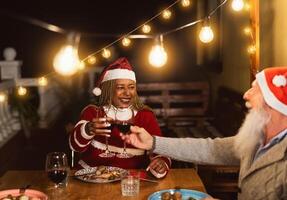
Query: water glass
x,y
130,185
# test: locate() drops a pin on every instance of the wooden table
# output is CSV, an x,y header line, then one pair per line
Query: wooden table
x,y
76,189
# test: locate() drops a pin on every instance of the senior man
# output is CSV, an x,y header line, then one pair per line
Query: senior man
x,y
259,147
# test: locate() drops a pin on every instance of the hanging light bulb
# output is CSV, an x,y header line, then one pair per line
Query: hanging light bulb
x,y
126,42
146,28
185,3
237,5
106,53
157,55
67,60
22,91
42,81
2,97
206,34
251,49
92,60
81,66
247,30
166,14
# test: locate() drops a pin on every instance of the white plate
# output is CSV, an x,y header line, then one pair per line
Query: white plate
x,y
89,175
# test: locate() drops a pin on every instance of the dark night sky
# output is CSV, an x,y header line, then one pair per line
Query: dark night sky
x,y
37,46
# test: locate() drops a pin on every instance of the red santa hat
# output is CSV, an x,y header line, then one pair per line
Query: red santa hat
x,y
120,69
273,84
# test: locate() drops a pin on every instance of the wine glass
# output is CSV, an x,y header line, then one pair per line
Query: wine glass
x,y
124,118
57,168
107,153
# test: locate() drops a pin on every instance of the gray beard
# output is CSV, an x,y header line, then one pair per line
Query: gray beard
x,y
251,133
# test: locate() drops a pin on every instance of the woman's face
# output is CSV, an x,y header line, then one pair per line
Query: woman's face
x,y
125,91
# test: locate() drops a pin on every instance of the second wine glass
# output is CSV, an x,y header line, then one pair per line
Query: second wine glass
x,y
124,118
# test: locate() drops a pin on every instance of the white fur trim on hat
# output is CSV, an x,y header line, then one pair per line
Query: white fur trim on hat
x,y
269,97
119,74
97,91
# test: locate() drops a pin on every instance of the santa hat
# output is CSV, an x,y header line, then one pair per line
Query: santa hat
x,y
273,84
120,69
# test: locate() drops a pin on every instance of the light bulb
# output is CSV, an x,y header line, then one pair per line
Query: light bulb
x,y
81,66
185,3
126,42
251,49
42,81
206,34
157,56
2,97
66,61
22,91
146,28
106,53
237,5
166,14
247,30
92,60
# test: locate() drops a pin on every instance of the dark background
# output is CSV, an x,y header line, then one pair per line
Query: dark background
x,y
37,46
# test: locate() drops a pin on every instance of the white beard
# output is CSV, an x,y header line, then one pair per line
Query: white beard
x,y
251,131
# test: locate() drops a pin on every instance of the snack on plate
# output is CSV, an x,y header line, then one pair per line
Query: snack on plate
x,y
168,196
19,197
104,172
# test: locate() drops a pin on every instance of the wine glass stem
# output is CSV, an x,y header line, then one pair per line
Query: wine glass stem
x,y
124,147
107,144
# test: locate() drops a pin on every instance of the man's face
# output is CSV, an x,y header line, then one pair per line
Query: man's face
x,y
253,97
125,91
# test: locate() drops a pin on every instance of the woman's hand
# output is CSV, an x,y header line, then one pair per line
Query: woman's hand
x,y
139,138
99,126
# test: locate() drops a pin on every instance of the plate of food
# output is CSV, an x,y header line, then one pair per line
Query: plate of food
x,y
101,174
29,194
177,194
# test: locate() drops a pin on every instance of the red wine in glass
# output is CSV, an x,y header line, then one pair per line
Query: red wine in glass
x,y
57,176
124,127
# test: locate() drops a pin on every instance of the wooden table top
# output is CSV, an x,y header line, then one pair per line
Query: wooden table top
x,y
76,189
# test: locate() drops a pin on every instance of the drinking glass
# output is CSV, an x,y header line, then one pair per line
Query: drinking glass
x,y
130,185
123,123
107,153
57,168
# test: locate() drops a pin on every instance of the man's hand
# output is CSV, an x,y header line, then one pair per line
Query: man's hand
x,y
139,138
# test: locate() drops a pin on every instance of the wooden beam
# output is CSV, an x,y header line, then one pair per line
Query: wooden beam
x,y
255,26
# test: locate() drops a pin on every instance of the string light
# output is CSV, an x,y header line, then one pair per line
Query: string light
x,y
81,66
106,53
206,34
67,61
166,14
185,3
22,91
146,28
126,42
157,55
42,81
237,5
92,60
251,49
2,97
247,30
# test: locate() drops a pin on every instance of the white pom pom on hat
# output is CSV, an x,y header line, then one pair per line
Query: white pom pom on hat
x,y
120,69
97,91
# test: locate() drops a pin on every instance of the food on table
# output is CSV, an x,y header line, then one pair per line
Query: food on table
x,y
190,198
104,173
166,196
169,196
177,195
19,197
